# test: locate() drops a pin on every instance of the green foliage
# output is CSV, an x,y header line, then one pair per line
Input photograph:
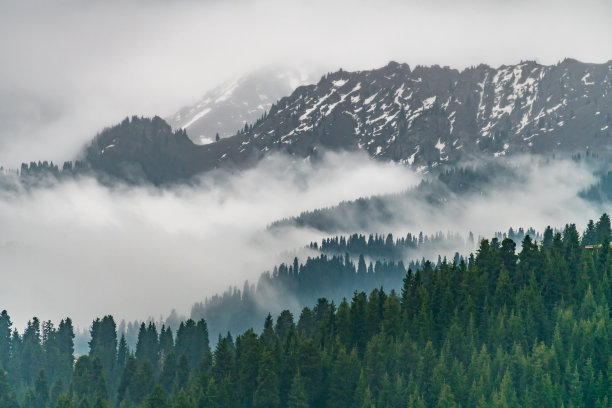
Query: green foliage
x,y
504,329
157,399
297,395
267,393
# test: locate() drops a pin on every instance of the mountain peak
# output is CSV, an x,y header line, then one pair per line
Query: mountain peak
x,y
227,108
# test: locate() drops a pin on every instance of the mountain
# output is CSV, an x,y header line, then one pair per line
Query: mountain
x,y
142,149
227,108
423,117
432,115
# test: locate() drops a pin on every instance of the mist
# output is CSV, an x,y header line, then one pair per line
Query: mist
x,y
81,249
72,67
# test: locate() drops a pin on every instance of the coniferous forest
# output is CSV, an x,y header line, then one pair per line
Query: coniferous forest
x,y
285,204
508,326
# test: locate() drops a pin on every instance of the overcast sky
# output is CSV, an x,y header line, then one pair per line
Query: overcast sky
x,y
69,68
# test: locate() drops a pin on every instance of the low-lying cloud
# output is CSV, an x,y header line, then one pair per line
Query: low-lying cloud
x,y
83,250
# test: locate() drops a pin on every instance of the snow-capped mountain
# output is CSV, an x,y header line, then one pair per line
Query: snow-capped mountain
x,y
432,115
227,108
423,117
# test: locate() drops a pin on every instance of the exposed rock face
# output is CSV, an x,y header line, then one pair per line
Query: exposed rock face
x,y
423,117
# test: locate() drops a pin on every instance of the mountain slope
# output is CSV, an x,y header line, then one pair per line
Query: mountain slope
x,y
432,115
227,108
425,117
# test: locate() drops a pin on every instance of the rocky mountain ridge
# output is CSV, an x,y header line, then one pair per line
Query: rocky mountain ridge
x,y
423,117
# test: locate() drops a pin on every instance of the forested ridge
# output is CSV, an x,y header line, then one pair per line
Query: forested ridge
x,y
505,327
335,267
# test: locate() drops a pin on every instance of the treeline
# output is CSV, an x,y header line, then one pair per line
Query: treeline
x,y
503,329
41,173
292,286
377,246
601,191
158,166
347,263
380,246
369,213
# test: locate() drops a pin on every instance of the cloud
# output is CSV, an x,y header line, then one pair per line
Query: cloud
x,y
82,250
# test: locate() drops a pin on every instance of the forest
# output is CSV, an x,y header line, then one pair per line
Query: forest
x,y
504,327
335,267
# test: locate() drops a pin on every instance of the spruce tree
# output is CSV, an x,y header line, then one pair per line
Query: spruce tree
x,y
266,394
157,399
5,339
297,394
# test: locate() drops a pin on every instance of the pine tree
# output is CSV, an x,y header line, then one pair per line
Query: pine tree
x,y
284,323
267,393
41,389
122,353
143,381
127,377
248,356
182,400
223,362
56,390
31,351
192,341
157,399
103,344
5,339
88,378
268,336
182,372
168,374
391,316
297,395
343,379
7,396
446,398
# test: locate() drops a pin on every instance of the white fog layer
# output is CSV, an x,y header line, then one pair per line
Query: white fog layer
x,y
83,250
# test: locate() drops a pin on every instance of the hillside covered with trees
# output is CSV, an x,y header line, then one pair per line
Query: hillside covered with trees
x,y
506,327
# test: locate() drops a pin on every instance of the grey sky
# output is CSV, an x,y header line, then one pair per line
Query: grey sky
x,y
69,68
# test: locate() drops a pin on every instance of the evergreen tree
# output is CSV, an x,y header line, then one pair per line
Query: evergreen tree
x,y
267,393
88,378
297,395
192,341
103,344
157,399
5,339
7,395
31,351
